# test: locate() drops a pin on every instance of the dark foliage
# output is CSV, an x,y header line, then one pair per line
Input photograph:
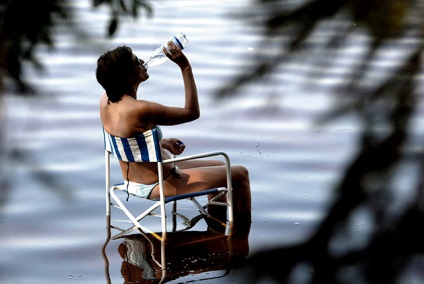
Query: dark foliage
x,y
27,24
24,25
385,109
122,8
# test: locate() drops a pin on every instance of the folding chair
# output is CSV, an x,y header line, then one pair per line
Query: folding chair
x,y
145,148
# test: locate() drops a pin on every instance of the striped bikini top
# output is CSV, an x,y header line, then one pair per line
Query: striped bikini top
x,y
142,148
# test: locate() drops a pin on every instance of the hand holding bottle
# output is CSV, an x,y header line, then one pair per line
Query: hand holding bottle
x,y
158,57
174,53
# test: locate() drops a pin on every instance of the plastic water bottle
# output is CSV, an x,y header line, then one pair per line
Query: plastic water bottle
x,y
158,57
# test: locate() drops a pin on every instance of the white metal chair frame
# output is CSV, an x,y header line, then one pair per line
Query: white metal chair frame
x,y
152,149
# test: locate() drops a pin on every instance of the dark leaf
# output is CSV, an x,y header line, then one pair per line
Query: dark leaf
x,y
113,25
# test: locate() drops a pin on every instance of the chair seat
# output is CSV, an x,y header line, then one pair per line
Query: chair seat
x,y
121,186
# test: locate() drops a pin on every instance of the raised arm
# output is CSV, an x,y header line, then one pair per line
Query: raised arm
x,y
191,98
165,115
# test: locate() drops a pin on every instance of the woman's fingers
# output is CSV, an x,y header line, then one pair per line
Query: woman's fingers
x,y
179,147
173,52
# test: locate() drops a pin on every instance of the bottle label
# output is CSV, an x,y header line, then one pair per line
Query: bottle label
x,y
179,43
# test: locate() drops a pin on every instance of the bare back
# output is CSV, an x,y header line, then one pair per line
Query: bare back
x,y
121,119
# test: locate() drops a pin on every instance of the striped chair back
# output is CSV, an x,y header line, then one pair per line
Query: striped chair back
x,y
143,148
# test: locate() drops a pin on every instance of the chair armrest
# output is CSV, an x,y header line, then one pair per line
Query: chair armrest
x,y
197,156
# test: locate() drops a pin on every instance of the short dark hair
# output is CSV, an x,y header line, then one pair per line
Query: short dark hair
x,y
113,70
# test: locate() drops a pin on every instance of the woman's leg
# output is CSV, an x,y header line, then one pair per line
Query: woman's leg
x,y
202,178
199,163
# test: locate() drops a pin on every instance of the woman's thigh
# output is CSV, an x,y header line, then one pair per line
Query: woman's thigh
x,y
196,179
199,163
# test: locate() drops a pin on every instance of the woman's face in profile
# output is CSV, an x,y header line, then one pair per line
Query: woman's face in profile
x,y
141,72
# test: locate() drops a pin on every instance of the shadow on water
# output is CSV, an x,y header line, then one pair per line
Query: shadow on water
x,y
389,155
393,245
188,256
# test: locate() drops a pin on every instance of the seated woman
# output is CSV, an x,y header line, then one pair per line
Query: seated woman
x,y
120,73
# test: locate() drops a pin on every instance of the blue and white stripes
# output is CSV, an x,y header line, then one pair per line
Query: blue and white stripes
x,y
143,148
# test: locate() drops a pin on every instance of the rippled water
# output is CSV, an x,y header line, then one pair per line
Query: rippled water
x,y
53,223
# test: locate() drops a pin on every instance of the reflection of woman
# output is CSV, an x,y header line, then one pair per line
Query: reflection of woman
x,y
134,252
120,73
186,253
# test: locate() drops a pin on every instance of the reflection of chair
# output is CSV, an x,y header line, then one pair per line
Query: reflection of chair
x,y
145,148
190,256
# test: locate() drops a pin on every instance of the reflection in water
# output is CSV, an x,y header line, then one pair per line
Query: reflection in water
x,y
197,255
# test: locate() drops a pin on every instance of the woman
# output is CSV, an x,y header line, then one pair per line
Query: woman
x,y
120,73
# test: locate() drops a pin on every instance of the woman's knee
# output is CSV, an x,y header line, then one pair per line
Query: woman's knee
x,y
240,173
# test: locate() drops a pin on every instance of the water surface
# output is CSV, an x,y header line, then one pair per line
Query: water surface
x,y
53,217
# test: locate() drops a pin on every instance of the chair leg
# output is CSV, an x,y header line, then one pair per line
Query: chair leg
x,y
174,216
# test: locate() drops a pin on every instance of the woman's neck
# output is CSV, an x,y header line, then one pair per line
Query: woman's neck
x,y
133,92
132,95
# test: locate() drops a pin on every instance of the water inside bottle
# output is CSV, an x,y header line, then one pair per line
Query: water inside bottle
x,y
155,60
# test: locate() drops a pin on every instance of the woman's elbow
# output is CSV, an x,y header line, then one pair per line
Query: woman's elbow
x,y
193,115
196,115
